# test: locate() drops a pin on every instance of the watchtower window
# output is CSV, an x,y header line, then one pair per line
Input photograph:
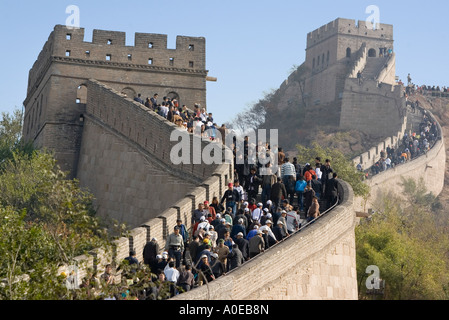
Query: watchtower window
x,y
68,36
191,64
87,53
318,61
130,57
172,61
313,65
67,53
348,53
191,47
108,57
109,41
150,61
150,45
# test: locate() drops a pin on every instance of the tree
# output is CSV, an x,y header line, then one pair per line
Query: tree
x,y
11,135
409,246
46,220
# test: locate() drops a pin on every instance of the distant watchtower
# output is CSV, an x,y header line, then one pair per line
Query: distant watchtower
x,y
56,94
333,49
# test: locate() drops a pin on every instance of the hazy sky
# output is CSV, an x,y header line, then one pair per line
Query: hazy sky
x,y
251,45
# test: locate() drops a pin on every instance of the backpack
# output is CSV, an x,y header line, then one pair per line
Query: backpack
x,y
300,186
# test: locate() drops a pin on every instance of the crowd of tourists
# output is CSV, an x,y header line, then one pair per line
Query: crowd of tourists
x,y
233,229
193,121
259,209
410,147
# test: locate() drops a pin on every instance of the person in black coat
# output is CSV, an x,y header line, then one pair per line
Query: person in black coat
x,y
279,231
278,191
243,245
150,251
331,191
235,257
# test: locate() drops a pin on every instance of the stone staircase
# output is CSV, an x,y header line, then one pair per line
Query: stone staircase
x,y
373,67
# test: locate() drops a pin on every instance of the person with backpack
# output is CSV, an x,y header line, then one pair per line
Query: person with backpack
x,y
299,189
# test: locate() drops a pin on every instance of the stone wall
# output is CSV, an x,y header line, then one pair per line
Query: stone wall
x,y
57,81
430,167
125,159
316,263
375,109
369,158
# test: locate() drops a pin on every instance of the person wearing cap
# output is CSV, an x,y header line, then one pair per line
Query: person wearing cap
x,y
269,227
175,245
257,213
283,219
237,228
162,263
216,222
266,237
256,244
206,251
226,228
213,236
247,214
150,252
235,257
252,232
206,274
279,231
232,197
204,224
241,215
243,245
265,217
217,265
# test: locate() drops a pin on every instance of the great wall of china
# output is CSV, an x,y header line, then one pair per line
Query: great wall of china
x,y
121,152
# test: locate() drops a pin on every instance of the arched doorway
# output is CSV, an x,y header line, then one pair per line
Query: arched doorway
x,y
348,53
372,53
129,92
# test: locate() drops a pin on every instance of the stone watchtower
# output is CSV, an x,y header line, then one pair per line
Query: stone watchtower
x,y
56,94
333,49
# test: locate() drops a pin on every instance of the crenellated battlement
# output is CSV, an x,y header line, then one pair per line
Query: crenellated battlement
x,y
109,47
349,27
